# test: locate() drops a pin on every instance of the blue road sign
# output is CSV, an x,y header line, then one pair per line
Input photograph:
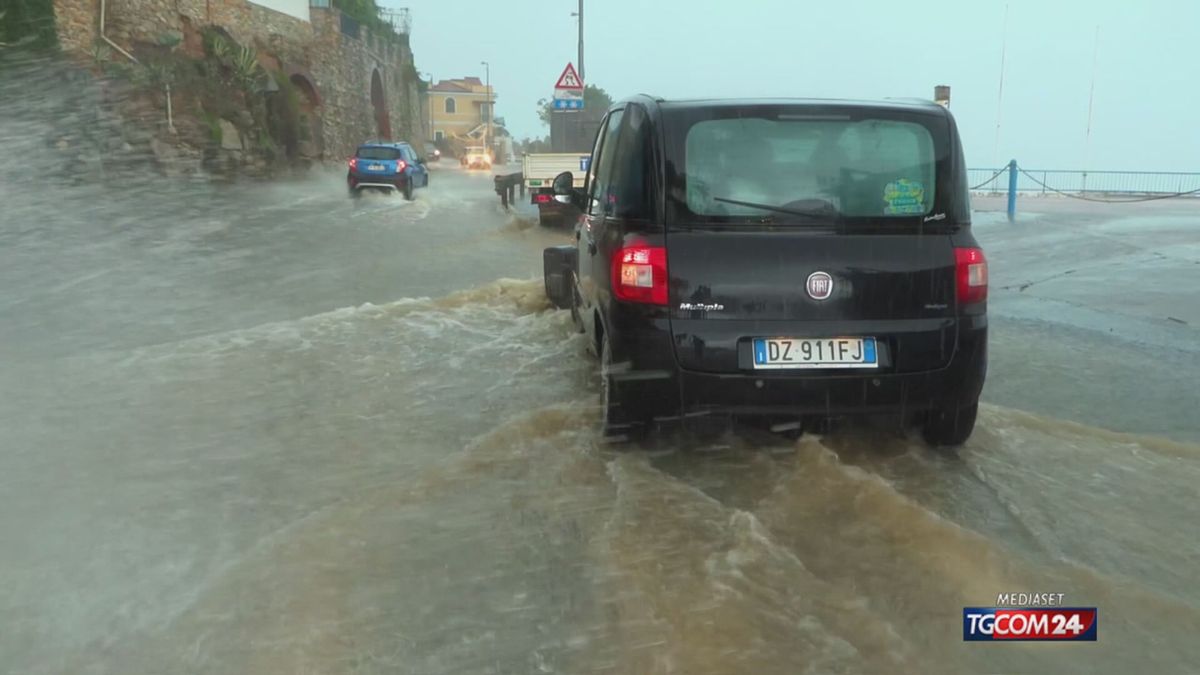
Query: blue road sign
x,y
568,104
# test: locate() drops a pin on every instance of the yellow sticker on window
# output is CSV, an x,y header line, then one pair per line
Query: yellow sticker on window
x,y
904,197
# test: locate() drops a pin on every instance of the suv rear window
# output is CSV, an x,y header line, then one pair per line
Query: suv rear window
x,y
855,168
378,153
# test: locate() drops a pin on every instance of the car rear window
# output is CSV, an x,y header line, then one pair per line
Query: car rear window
x,y
762,166
378,153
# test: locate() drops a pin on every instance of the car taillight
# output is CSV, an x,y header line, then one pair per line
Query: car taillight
x,y
971,275
400,165
542,199
353,163
639,274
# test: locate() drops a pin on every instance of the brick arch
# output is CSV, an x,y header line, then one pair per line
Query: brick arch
x,y
383,122
307,84
310,110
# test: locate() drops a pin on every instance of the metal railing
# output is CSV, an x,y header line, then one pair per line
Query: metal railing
x,y
1043,181
400,18
1105,187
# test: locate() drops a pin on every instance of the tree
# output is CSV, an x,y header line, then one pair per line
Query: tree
x,y
534,145
596,102
366,12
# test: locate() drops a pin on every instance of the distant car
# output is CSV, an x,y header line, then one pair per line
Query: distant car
x,y
477,157
434,156
784,260
394,167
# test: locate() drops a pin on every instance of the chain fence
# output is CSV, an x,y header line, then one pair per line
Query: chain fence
x,y
1090,185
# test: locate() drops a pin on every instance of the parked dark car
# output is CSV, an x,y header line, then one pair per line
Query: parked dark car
x,y
386,166
789,260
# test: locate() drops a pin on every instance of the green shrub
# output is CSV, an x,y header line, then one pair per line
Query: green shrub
x,y
213,122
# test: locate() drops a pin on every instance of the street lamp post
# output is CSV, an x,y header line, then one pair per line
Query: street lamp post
x,y
487,135
579,14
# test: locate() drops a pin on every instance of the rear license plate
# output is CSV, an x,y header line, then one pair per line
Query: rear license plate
x,y
375,167
849,352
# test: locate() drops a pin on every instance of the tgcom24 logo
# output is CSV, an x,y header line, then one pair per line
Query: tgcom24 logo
x,y
1024,617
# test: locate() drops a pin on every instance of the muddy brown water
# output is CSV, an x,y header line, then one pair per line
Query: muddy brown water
x,y
260,429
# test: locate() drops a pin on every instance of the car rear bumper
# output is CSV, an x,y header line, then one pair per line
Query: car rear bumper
x,y
362,181
658,388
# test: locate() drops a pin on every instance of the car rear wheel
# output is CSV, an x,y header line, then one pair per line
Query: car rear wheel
x,y
950,428
408,189
617,425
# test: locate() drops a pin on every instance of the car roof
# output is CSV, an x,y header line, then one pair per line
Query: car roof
x,y
896,104
384,144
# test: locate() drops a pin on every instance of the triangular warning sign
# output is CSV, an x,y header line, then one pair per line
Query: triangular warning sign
x,y
569,79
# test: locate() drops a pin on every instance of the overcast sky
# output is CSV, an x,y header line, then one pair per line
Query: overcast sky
x,y
1146,114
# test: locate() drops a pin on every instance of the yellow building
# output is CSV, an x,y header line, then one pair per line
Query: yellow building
x,y
458,107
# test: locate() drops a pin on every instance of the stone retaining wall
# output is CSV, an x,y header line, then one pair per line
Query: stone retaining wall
x,y
337,67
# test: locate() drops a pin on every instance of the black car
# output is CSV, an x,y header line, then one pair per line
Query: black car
x,y
778,259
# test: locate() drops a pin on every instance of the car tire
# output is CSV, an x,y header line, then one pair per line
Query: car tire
x,y
408,189
617,425
950,428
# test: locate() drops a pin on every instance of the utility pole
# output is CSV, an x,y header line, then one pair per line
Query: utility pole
x,y
1087,134
581,75
1000,93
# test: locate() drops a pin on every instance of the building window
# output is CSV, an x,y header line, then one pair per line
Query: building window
x,y
439,135
485,112
451,107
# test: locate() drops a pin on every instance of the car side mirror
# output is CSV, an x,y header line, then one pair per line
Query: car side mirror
x,y
563,185
563,188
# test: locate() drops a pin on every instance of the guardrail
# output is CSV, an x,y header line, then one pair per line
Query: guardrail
x,y
1136,186
507,185
1043,181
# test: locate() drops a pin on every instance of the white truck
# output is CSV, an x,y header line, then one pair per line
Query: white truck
x,y
538,172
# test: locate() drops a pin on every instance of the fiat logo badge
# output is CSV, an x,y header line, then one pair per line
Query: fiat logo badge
x,y
819,285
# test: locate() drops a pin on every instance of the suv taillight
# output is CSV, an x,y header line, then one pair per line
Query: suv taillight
x,y
353,163
971,275
639,274
400,164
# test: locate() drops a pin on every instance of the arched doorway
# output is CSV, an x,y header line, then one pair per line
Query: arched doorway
x,y
382,122
312,137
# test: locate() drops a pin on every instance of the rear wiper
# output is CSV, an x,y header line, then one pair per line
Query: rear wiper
x,y
813,213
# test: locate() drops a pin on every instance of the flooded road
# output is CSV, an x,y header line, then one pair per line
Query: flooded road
x,y
261,429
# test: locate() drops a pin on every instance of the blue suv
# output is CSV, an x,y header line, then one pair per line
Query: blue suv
x,y
386,166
